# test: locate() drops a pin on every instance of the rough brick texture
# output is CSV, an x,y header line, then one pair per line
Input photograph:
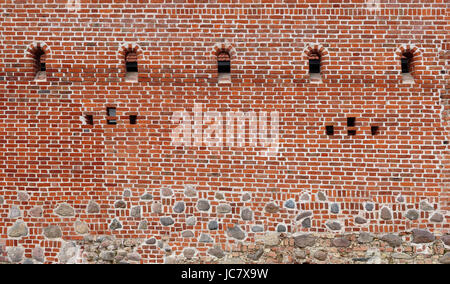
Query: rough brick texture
x,y
64,181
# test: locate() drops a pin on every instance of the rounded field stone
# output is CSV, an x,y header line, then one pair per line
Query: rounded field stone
x,y
392,240
157,208
320,255
257,229
52,232
290,204
425,206
446,240
360,220
386,214
15,254
115,225
255,256
335,226
305,197
147,197
321,196
236,233
422,236
189,191
223,208
272,208
166,192
107,255
334,208
38,254
36,212
369,207
65,210
219,196
303,241
281,228
412,214
247,214
205,238
365,238
341,242
189,253
246,197
135,212
213,225
81,228
437,218
2,200
18,230
120,204
23,196
445,259
203,205
143,225
304,215
187,234
167,221
191,221
179,207
216,251
14,212
134,256
271,239
306,223
93,207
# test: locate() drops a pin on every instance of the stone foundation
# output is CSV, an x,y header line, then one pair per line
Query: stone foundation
x,y
416,247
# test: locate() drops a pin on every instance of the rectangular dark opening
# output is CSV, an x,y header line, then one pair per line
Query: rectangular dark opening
x,y
314,66
111,112
329,129
42,67
405,65
89,119
374,130
132,67
351,121
224,66
133,119
352,132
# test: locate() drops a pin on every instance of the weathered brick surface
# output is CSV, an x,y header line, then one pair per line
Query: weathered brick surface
x,y
101,172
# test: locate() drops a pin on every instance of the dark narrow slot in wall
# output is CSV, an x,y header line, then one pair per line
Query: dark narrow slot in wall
x,y
133,119
111,113
352,132
374,130
314,66
89,119
132,67
405,65
329,130
351,121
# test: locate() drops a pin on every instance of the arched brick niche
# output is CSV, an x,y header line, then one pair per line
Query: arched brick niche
x,y
302,72
37,64
223,52
413,56
130,54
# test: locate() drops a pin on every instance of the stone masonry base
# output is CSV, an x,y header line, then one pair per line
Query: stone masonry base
x,y
416,247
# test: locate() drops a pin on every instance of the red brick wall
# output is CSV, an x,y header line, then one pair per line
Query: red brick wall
x,y
47,152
